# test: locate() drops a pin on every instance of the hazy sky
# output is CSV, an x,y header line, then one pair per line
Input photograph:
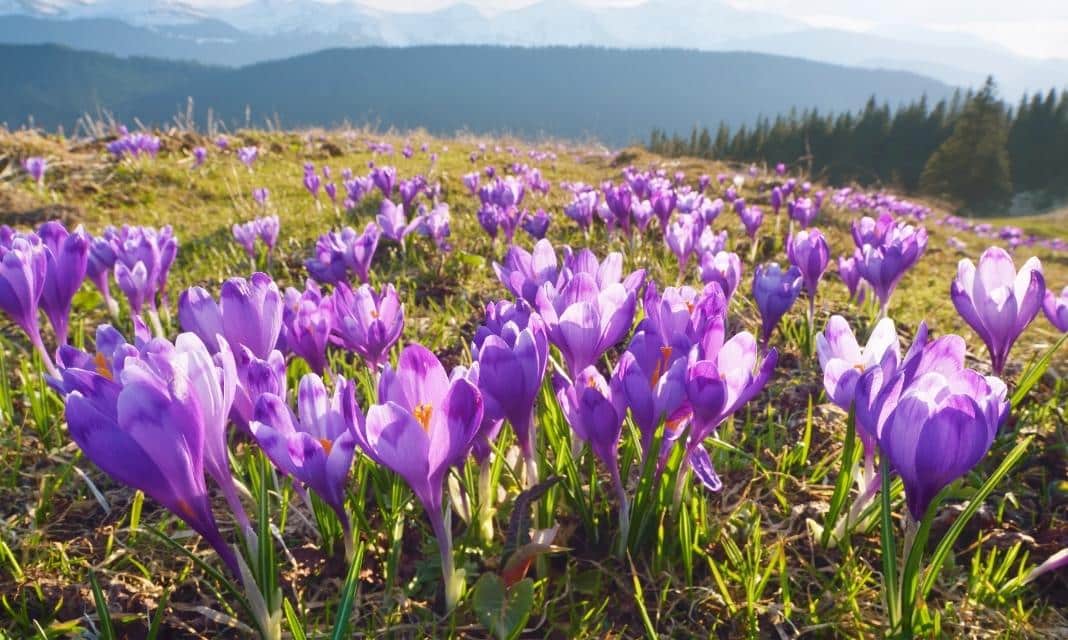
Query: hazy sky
x,y
1030,27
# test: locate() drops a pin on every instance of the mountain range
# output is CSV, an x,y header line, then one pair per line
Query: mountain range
x,y
262,30
613,95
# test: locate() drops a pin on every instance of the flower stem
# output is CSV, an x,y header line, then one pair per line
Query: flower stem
x,y
442,531
485,498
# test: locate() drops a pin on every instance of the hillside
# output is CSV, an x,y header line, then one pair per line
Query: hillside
x,y
616,96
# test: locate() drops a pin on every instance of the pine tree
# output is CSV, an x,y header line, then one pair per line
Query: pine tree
x,y
972,165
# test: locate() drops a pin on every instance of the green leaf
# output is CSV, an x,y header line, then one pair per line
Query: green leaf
x,y
107,631
845,479
157,618
348,595
504,612
295,626
1034,373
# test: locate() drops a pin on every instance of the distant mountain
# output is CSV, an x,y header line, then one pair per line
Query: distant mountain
x,y
261,30
616,96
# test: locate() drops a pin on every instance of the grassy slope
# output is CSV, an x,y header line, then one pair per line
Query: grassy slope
x,y
56,530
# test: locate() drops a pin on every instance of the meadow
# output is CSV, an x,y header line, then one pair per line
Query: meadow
x,y
635,441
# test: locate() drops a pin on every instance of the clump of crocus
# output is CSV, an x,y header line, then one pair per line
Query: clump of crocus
x,y
368,323
996,301
886,250
423,425
1056,308
652,371
385,178
339,252
35,167
590,311
144,256
318,447
774,291
809,252
133,145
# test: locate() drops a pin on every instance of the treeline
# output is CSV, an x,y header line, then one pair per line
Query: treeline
x,y
880,145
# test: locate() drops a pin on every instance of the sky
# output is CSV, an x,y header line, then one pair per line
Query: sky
x,y
1036,28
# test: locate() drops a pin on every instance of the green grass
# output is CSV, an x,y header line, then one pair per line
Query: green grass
x,y
744,562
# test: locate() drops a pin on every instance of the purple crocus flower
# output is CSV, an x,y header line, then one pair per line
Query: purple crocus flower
x,y
663,201
422,426
803,210
938,428
776,199
523,272
222,143
871,231
260,195
774,291
435,225
582,208
703,181
35,166
393,222
883,266
385,178
585,321
619,202
245,234
312,182
248,314
68,256
409,189
512,351
723,268
711,242
471,181
752,218
307,323
318,447
843,360
154,427
808,251
98,268
23,271
780,169
267,227
248,155
720,379
200,155
1056,308
996,301
536,224
368,323
652,371
338,252
595,410
681,237
850,275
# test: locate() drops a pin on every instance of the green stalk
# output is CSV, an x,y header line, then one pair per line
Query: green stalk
x,y
889,557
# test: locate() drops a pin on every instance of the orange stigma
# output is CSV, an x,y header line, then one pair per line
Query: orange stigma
x,y
327,444
665,355
102,366
422,413
374,313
